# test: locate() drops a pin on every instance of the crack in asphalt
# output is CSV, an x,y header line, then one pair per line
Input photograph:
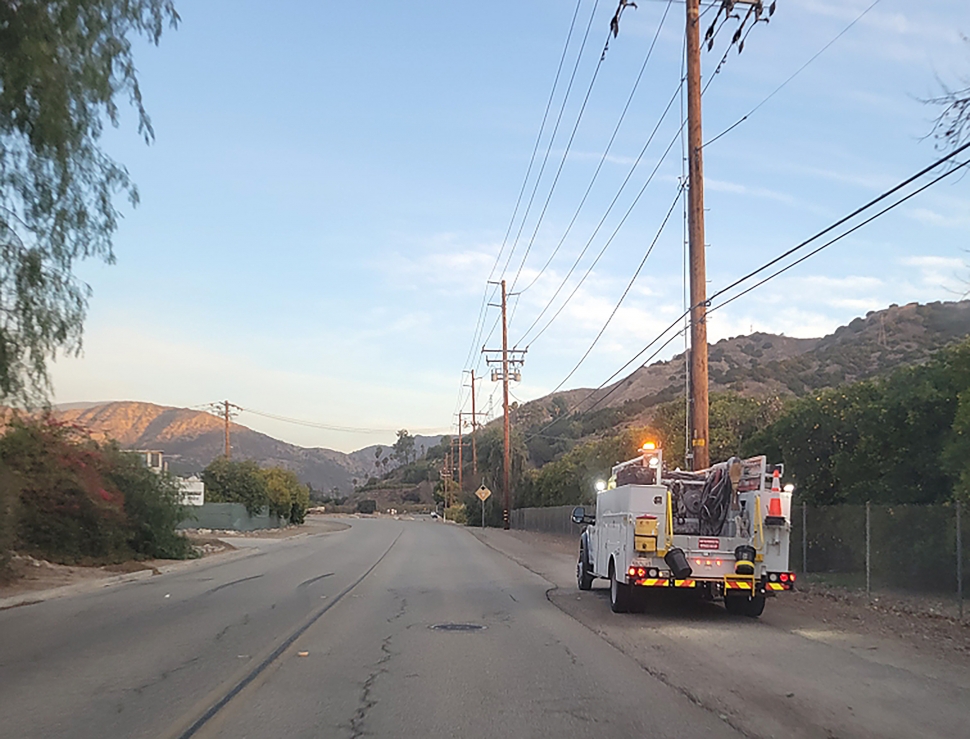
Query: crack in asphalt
x,y
163,676
366,701
653,672
222,632
402,607
275,654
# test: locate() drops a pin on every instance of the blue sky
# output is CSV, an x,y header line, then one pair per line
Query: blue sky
x,y
331,184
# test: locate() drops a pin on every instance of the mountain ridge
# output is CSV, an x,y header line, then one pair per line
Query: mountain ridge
x,y
762,364
191,439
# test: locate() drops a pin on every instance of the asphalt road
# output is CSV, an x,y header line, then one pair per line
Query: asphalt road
x,y
331,635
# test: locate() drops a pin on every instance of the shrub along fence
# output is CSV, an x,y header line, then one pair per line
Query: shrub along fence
x,y
906,548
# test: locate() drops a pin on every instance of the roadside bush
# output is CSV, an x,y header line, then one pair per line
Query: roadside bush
x,y
367,506
80,501
288,497
9,492
67,511
458,513
236,482
152,506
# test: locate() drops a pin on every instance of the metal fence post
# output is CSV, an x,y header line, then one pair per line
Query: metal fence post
x,y
959,563
868,551
804,537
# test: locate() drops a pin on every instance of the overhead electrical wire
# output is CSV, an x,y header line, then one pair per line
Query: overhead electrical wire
x,y
623,185
331,427
599,166
797,72
545,159
602,251
629,286
479,324
555,130
723,133
875,201
829,243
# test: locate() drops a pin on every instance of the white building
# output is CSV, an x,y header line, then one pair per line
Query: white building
x,y
192,488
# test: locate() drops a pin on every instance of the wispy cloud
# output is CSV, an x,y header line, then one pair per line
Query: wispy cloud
x,y
444,265
931,217
886,22
951,274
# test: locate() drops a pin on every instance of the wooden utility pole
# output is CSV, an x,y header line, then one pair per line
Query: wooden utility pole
x,y
226,417
505,411
461,487
695,217
508,359
474,426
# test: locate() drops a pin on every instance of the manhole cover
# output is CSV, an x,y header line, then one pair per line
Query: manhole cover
x,y
458,627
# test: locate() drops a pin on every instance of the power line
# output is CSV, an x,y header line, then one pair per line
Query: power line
x,y
606,152
479,324
775,260
552,138
797,72
853,214
602,251
609,209
331,427
841,236
636,274
562,163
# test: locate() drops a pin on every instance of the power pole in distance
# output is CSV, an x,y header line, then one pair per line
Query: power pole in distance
x,y
474,427
516,360
695,220
461,487
226,410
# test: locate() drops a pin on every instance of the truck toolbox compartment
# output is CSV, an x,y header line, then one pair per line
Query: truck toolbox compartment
x,y
645,543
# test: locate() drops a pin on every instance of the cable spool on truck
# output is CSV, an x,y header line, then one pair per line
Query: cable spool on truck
x,y
722,532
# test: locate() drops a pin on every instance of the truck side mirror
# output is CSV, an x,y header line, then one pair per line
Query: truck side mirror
x,y
579,516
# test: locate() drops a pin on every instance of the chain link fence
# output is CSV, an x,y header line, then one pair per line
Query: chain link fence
x,y
551,520
901,548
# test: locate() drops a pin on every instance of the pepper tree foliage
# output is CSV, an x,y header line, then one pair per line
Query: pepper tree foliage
x,y
64,65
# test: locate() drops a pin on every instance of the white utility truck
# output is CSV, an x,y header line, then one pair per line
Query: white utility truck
x,y
723,531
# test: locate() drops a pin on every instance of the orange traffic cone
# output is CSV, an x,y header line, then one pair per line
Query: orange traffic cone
x,y
775,516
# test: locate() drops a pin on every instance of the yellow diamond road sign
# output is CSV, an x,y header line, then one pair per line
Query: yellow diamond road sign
x,y
483,493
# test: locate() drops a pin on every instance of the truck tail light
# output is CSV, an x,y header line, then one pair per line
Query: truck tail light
x,y
632,572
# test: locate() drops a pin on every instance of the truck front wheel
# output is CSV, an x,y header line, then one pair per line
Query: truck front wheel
x,y
584,578
619,593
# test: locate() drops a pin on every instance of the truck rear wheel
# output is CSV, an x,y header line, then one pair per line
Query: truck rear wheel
x,y
745,606
584,578
619,593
